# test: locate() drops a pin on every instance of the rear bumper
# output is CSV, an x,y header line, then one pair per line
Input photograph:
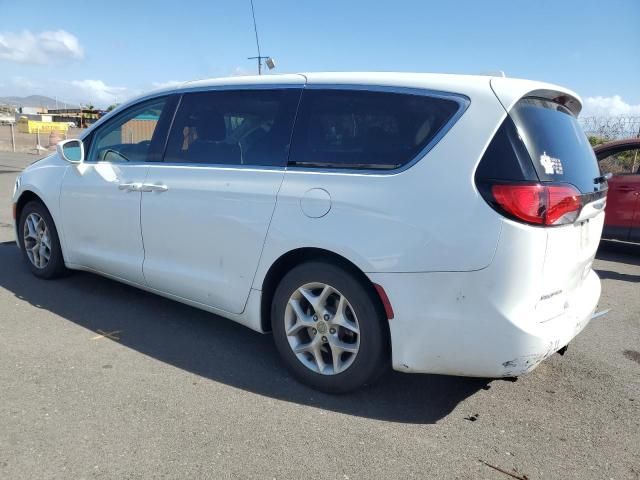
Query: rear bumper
x,y
462,323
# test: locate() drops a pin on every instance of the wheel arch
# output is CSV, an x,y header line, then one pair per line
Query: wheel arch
x,y
25,197
295,257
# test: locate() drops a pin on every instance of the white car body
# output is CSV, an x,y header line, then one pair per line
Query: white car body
x,y
473,293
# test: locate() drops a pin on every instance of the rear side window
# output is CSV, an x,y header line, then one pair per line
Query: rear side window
x,y
365,129
233,127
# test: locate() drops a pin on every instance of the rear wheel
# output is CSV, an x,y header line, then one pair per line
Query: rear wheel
x,y
39,241
328,328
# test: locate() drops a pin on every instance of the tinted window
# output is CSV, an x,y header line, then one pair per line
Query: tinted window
x,y
559,149
241,127
128,137
506,157
364,129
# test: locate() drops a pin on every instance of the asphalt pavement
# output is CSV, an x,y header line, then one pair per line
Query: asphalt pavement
x,y
101,380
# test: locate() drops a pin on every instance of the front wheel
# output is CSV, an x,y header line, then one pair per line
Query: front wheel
x,y
39,241
329,328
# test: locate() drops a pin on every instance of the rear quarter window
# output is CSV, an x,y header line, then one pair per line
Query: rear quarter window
x,y
358,129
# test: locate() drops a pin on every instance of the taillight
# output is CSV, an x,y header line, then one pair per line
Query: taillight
x,y
563,205
538,203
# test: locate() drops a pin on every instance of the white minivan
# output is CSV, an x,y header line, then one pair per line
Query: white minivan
x,y
435,223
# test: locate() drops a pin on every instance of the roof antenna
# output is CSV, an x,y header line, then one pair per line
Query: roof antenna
x,y
268,60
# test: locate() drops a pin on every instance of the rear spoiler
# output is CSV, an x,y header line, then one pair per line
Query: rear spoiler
x,y
510,90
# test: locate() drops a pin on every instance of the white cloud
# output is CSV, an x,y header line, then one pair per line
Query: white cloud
x,y
167,84
40,48
608,107
99,93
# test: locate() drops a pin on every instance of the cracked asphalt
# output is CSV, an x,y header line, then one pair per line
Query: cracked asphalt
x,y
100,380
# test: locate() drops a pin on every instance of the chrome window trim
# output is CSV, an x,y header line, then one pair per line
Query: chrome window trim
x,y
216,166
462,100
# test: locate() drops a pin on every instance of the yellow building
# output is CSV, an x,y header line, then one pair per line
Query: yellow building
x,y
32,126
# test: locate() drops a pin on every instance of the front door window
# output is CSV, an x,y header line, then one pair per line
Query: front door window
x,y
128,138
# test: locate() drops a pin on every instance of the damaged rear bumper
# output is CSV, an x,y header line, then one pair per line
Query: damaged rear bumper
x,y
463,327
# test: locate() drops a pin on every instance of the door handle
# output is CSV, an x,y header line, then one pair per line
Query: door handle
x,y
149,187
130,187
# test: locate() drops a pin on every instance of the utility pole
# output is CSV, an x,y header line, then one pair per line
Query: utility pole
x,y
268,60
255,29
13,138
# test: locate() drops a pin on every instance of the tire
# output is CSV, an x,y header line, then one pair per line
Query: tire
x,y
53,267
367,355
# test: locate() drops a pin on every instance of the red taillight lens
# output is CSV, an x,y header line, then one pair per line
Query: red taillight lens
x,y
537,203
526,202
564,204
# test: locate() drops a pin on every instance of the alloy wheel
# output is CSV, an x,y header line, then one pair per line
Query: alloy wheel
x,y
322,328
37,240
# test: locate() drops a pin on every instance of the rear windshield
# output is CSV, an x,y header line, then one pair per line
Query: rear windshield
x,y
559,149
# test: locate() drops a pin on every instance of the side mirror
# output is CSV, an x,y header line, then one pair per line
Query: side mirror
x,y
71,150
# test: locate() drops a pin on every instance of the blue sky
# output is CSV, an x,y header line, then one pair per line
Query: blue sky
x,y
98,52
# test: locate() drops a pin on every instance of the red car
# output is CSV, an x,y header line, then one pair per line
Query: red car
x,y
621,158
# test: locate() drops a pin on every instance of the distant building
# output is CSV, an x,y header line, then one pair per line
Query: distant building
x,y
6,118
82,118
31,110
37,117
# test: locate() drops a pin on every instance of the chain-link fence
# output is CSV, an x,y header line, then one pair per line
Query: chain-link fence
x,y
611,128
12,140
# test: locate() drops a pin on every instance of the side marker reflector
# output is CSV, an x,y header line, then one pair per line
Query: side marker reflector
x,y
388,309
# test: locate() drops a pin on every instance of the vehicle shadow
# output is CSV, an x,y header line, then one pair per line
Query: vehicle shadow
x,y
622,252
219,349
624,277
619,252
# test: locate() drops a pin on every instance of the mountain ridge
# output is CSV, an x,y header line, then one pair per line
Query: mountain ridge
x,y
34,101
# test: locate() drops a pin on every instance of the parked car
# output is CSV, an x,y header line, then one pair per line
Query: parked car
x,y
437,223
621,159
